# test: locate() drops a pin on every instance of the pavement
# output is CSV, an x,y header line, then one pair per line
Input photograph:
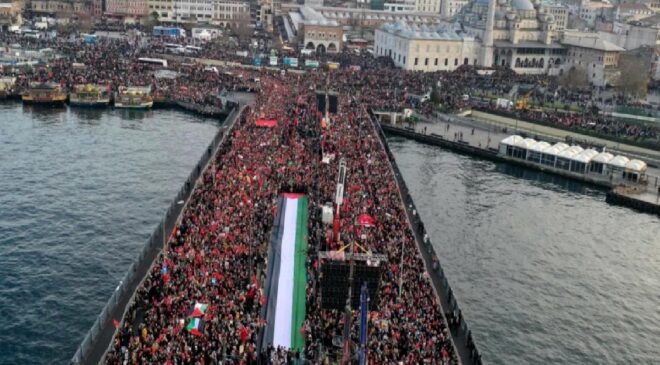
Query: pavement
x,y
512,124
478,133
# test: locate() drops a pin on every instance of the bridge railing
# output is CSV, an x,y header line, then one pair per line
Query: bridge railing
x,y
98,339
462,337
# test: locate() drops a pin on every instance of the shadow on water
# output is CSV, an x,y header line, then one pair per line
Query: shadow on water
x,y
46,114
88,116
548,180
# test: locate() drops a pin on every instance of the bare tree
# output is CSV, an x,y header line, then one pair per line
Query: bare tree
x,y
575,77
242,29
634,68
84,22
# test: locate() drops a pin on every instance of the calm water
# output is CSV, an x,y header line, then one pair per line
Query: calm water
x,y
80,192
545,271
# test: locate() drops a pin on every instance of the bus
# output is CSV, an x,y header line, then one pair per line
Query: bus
x,y
175,48
193,49
153,61
173,32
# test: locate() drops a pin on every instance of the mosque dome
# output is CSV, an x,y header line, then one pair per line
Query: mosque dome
x,y
522,5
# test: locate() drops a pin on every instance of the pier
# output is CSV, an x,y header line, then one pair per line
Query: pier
x,y
476,138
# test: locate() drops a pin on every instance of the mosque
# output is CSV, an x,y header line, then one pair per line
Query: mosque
x,y
520,34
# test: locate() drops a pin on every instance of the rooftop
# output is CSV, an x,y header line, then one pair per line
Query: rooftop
x,y
312,17
592,42
423,31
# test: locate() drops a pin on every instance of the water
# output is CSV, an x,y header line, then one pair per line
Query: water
x,y
545,271
80,192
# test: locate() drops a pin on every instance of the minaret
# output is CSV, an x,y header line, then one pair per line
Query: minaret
x,y
444,9
486,56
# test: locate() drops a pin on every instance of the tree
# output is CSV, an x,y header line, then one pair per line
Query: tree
x,y
436,98
634,68
242,29
575,77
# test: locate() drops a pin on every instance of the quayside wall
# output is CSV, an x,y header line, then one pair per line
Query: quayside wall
x,y
94,346
462,337
613,197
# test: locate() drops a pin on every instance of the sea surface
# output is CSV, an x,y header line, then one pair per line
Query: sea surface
x,y
544,270
80,192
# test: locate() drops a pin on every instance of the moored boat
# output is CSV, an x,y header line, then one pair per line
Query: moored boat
x,y
6,86
90,96
44,93
134,98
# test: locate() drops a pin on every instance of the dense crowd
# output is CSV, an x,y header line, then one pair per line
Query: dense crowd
x,y
113,62
217,253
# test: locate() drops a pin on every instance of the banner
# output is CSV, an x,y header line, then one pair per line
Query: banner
x,y
287,254
266,123
311,63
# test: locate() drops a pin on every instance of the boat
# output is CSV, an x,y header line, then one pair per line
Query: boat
x,y
44,93
6,86
90,96
134,98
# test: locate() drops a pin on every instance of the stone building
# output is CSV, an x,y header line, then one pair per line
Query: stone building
x,y
588,53
519,34
127,8
10,13
61,7
425,47
226,13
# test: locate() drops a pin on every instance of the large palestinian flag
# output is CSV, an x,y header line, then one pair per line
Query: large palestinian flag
x,y
285,290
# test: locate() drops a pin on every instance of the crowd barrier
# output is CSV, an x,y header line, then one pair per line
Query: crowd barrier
x,y
98,339
462,337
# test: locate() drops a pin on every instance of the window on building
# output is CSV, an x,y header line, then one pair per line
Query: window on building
x,y
416,60
426,62
436,62
404,60
446,61
455,61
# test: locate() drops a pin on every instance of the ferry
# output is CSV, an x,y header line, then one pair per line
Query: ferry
x,y
6,85
44,93
134,98
90,96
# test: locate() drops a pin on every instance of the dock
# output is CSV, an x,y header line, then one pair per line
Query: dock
x,y
481,140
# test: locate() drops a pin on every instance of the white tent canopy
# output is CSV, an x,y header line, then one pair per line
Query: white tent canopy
x,y
585,156
512,140
636,166
603,157
556,149
619,161
539,146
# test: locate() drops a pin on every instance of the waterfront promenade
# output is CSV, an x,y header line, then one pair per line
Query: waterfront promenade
x,y
481,138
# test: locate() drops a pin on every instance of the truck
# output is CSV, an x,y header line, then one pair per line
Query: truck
x,y
504,103
173,32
